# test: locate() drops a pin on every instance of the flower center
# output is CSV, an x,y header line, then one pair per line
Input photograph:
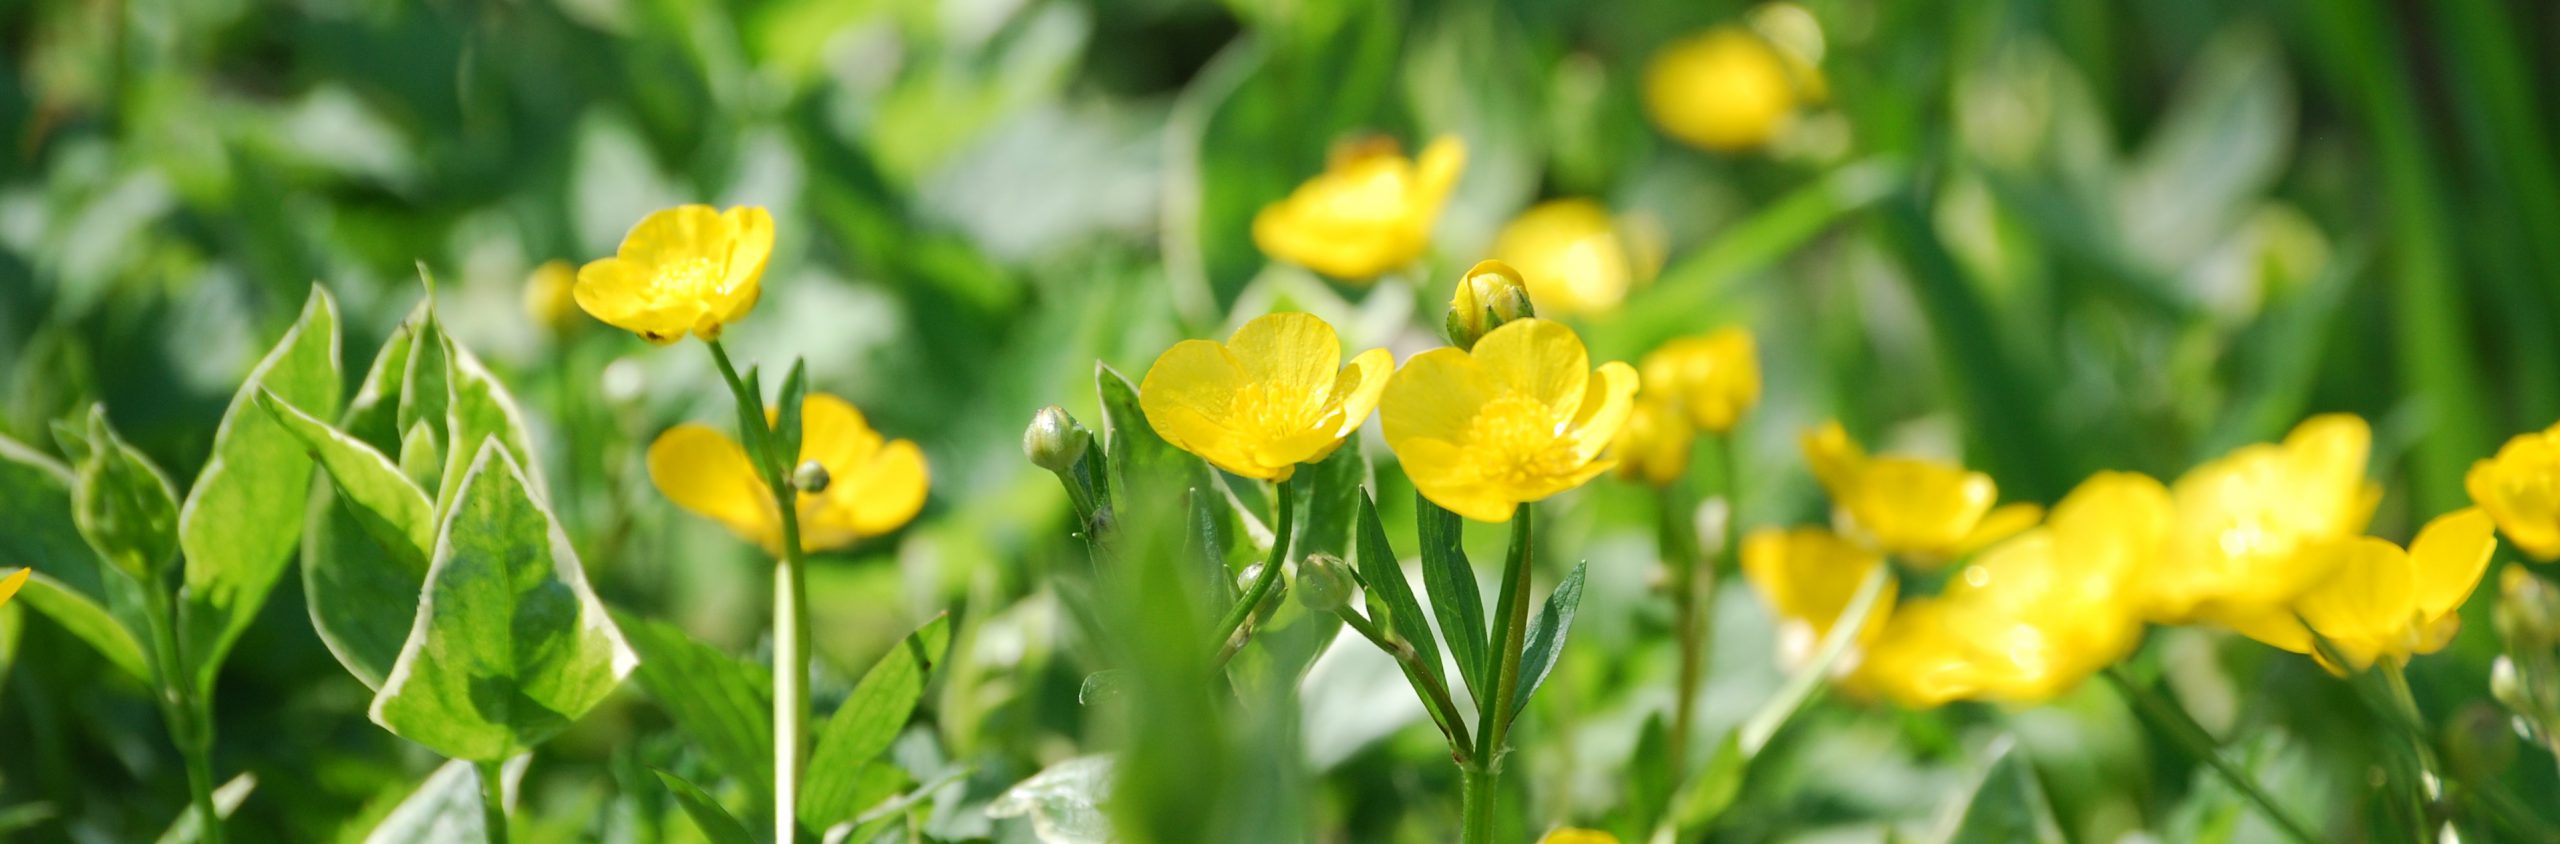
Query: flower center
x,y
1265,411
1518,439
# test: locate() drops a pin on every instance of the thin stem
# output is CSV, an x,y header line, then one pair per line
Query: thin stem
x,y
1435,695
2422,762
1494,713
2183,729
790,610
190,721
1476,801
493,800
1262,582
1684,622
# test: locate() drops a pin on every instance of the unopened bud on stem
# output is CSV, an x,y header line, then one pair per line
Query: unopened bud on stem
x,y
1055,440
1490,294
1324,583
810,477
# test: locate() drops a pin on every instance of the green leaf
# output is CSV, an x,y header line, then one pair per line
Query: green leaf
x,y
1546,637
715,822
869,720
2005,805
869,789
123,504
510,645
363,583
88,621
1451,580
35,520
373,415
1383,576
423,394
446,807
244,517
422,456
189,827
479,408
1713,788
1135,451
1650,780
724,704
1331,511
786,422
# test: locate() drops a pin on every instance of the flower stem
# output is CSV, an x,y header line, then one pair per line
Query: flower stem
x,y
1262,582
1435,695
1494,714
189,719
790,608
2422,766
1477,802
493,800
2183,729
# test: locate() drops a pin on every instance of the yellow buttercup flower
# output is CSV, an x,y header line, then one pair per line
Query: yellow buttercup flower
x,y
2520,488
2246,519
1715,379
687,269
1572,255
1521,417
1653,448
1924,511
2034,615
2375,601
1573,835
1807,576
1370,212
1275,395
1725,90
873,486
9,585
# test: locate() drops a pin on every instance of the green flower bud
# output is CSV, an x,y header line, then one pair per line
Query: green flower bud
x,y
1324,583
810,477
2528,611
122,504
1490,294
1055,440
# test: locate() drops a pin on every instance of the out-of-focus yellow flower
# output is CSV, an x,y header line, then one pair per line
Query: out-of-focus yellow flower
x,y
2034,615
1807,576
1713,379
2375,601
550,297
1572,835
1572,255
1653,448
1924,511
873,487
2246,519
9,585
1521,417
1370,212
1726,89
2521,490
1490,294
688,269
1275,395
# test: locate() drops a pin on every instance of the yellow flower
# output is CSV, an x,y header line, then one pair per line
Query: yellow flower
x,y
1370,212
1572,255
1572,835
1653,449
687,269
9,585
873,486
2245,520
1925,511
1275,395
2521,490
1714,379
2375,601
550,297
1519,418
2034,615
1725,90
1807,576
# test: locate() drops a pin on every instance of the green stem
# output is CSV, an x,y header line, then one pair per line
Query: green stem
x,y
493,800
1684,624
2183,729
2422,759
1262,582
189,719
790,610
1494,713
1435,695
1476,802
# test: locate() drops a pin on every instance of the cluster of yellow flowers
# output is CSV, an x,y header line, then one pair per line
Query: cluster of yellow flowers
x,y
2267,541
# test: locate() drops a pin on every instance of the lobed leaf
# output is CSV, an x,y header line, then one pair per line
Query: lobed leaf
x,y
866,724
510,646
723,703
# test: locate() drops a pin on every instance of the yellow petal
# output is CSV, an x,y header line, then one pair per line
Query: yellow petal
x,y
2520,488
1435,174
1357,388
1537,358
672,235
2001,523
1807,575
833,433
2366,595
1917,507
1434,396
703,471
2449,557
1833,456
1189,398
9,585
620,293
1570,835
1443,473
751,246
870,498
1295,357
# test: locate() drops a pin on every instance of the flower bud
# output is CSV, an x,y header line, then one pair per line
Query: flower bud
x,y
550,300
1324,583
1055,440
1490,294
2528,611
810,477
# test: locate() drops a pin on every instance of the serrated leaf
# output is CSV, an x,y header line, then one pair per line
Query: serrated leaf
x,y
189,827
866,724
365,547
243,518
722,703
123,504
1451,580
714,822
510,646
87,620
1547,635
1383,575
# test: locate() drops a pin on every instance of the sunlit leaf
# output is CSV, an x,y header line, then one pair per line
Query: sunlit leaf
x,y
722,703
867,723
714,822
